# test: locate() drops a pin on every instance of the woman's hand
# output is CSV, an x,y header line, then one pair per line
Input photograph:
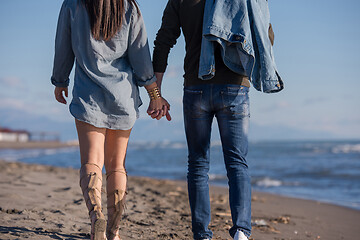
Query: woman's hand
x,y
59,94
159,108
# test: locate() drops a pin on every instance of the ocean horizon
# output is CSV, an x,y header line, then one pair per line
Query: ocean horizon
x,y
325,171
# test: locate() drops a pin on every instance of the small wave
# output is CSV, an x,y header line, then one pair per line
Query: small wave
x,y
268,182
217,177
178,146
158,145
346,148
17,155
216,144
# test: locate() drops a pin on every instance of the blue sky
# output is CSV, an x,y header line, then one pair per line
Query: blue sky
x,y
316,50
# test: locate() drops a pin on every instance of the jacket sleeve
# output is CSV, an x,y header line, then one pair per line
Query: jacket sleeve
x,y
64,55
167,35
263,37
138,51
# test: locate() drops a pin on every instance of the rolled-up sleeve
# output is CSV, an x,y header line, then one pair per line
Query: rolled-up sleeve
x,y
64,55
139,52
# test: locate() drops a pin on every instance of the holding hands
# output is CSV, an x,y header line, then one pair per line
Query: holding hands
x,y
158,106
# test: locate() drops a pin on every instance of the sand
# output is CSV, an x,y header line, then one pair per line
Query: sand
x,y
43,202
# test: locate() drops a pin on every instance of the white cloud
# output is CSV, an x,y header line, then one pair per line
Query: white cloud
x,y
333,126
318,100
15,104
271,106
282,104
11,82
53,111
174,71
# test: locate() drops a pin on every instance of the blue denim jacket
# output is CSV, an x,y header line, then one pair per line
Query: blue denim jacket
x,y
241,27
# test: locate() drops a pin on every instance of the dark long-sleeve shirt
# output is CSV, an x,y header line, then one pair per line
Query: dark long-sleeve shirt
x,y
187,15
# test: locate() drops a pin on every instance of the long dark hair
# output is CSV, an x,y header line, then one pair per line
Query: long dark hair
x,y
106,16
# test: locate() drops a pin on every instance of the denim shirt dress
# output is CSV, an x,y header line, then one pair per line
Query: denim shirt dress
x,y
107,73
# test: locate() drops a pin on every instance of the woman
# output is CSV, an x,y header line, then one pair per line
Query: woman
x,y
108,42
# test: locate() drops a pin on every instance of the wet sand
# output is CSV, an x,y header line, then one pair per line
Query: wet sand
x,y
43,202
35,144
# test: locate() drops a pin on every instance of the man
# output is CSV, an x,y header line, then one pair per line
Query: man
x,y
223,95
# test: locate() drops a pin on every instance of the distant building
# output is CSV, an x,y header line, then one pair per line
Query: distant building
x,y
8,135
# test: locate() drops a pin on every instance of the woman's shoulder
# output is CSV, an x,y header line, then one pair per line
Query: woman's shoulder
x,y
72,4
131,6
132,11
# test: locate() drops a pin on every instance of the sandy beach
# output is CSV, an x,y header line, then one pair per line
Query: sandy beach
x,y
43,202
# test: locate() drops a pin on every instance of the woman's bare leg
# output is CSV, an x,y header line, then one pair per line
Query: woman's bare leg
x,y
91,142
116,142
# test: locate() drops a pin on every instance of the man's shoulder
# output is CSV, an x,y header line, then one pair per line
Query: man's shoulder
x,y
188,2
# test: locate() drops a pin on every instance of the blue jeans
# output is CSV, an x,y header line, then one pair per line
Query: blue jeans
x,y
230,105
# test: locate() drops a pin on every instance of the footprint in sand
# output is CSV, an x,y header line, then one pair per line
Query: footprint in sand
x,y
78,202
57,211
62,189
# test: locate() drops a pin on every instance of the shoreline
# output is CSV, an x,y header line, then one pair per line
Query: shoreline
x,y
45,202
74,143
71,144
37,144
289,197
224,188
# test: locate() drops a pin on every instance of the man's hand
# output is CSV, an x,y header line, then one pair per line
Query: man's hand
x,y
59,94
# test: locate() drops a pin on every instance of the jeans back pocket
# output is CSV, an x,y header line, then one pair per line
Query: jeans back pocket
x,y
236,101
192,102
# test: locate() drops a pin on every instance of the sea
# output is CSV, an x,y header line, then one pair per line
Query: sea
x,y
325,171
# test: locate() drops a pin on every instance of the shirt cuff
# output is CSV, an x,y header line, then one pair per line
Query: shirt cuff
x,y
149,81
60,84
